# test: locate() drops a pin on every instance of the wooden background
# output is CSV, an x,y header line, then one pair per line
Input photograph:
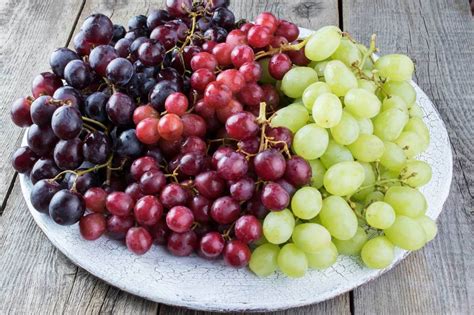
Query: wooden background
x,y
437,34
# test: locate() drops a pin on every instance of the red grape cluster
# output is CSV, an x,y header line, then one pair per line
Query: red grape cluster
x,y
160,133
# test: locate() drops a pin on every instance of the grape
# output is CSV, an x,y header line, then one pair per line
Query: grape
x,y
394,101
173,195
248,229
193,125
317,173
367,85
327,110
288,30
66,122
217,95
252,71
310,142
127,144
416,125
274,197
59,58
236,37
335,153
241,54
98,29
263,261
373,197
117,227
225,210
319,67
23,159
339,78
402,89
242,126
406,201
369,182
323,43
237,254
429,227
94,106
296,80
393,157
367,148
279,65
347,131
278,226
251,95
293,117
138,240
147,131
95,199
292,261
411,143
269,164
179,219
42,110
395,67
344,178
20,112
120,108
119,203
66,207
311,237
298,171
259,36
380,215
377,253
416,111
312,92
148,210
306,203
100,57
233,79
92,226
338,218
323,258
42,193
347,52
41,140
68,154
389,124
211,245
209,184
96,148
119,71
222,53
416,173
45,83
78,74
182,244
406,233
353,245
361,103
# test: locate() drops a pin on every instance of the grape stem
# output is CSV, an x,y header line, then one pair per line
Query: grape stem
x,y
191,33
92,169
282,48
378,183
98,123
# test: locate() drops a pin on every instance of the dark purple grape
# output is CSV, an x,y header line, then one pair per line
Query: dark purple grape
x,y
217,34
41,194
66,207
131,36
23,160
170,74
160,92
82,45
182,30
128,145
100,57
41,140
178,8
204,23
122,47
71,95
136,45
120,71
60,58
43,169
78,74
151,54
42,110
83,183
155,153
224,18
157,18
120,109
138,22
98,29
177,61
96,148
68,154
165,35
133,86
67,122
20,112
94,106
146,87
119,32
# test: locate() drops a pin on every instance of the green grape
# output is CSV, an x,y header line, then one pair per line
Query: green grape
x,y
393,157
394,101
297,80
323,258
323,43
362,103
338,218
353,245
262,240
327,110
373,197
402,89
416,125
292,261
312,92
347,52
380,215
389,178
369,181
312,64
365,126
347,131
317,173
406,201
319,67
266,76
429,227
367,148
339,78
377,253
411,143
263,261
306,203
278,226
366,85
395,67
293,117
416,173
344,178
311,237
415,111
335,153
389,124
406,233
310,142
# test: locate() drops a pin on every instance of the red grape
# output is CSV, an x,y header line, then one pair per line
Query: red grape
x,y
233,79
279,65
119,203
242,54
274,197
182,244
268,20
45,84
211,245
92,226
236,37
142,112
259,36
251,94
193,125
298,171
138,240
237,254
176,103
248,229
152,182
170,127
251,70
204,60
288,30
201,78
20,112
217,94
179,219
200,206
225,210
209,184
147,131
222,53
232,167
243,189
173,195
242,126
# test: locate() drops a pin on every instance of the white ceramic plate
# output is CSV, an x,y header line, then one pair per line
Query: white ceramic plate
x,y
210,285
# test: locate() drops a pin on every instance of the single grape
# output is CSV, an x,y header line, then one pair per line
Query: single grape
x,y
395,67
380,215
92,226
225,210
306,203
377,253
278,226
45,83
323,43
338,217
120,108
42,193
367,148
406,201
353,245
138,240
182,244
66,207
248,229
211,245
347,131
117,227
98,29
20,112
274,197
66,122
263,261
179,219
119,71
310,142
269,165
95,199
68,154
23,160
339,77
292,261
59,58
296,80
100,57
344,178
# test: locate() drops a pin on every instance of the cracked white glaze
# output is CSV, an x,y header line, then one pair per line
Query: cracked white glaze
x,y
210,285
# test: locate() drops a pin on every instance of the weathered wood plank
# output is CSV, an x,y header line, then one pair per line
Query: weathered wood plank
x,y
439,36
29,31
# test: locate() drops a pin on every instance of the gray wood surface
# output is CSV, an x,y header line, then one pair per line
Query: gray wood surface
x,y
438,35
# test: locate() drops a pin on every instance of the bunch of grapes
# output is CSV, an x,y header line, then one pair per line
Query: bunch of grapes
x,y
216,137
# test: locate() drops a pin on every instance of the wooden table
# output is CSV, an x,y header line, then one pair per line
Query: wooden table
x,y
437,34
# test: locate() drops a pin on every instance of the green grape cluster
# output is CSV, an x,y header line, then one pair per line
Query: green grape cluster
x,y
356,121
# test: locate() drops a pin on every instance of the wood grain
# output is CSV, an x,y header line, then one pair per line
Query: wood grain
x,y
29,32
439,36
